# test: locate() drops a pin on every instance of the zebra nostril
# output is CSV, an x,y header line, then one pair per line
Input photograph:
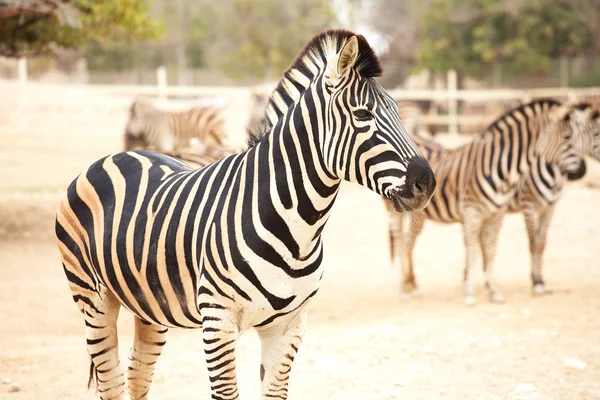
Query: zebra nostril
x,y
418,188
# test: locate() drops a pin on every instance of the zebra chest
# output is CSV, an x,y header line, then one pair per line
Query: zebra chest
x,y
261,291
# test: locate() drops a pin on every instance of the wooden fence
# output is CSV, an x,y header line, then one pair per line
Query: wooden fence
x,y
448,98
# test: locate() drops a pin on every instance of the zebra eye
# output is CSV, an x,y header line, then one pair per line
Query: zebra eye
x,y
363,114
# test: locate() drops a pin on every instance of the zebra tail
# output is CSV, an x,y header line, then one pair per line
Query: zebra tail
x,y
93,374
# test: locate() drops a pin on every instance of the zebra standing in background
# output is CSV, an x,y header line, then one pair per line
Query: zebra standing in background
x,y
259,101
410,113
516,165
237,244
151,129
539,193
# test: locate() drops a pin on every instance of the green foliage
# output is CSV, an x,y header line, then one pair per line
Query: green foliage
x,y
260,37
472,36
586,80
101,21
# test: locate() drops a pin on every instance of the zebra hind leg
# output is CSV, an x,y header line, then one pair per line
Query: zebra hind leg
x,y
279,348
147,347
101,313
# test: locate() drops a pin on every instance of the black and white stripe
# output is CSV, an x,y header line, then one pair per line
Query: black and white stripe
x,y
516,165
236,244
151,129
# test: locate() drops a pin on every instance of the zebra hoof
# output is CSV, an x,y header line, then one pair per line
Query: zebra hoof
x,y
540,289
497,297
410,287
470,300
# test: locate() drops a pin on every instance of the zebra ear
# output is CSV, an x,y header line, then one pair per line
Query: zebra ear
x,y
345,59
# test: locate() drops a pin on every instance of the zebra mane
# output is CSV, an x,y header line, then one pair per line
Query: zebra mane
x,y
309,63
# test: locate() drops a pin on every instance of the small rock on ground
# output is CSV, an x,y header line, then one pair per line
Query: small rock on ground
x,y
14,387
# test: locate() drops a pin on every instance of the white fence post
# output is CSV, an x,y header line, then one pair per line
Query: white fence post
x,y
161,82
22,70
452,102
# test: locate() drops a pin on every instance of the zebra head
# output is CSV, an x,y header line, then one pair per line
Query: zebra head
x,y
575,133
585,119
364,141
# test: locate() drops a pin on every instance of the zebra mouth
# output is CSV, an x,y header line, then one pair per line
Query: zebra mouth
x,y
396,199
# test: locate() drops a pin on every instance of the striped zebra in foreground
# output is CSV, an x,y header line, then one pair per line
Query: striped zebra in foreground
x,y
151,129
516,165
237,244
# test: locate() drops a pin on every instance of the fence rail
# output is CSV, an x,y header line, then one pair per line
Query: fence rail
x,y
450,96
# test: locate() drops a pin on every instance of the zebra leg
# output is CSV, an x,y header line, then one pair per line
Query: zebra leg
x,y
220,333
488,239
472,225
407,245
537,223
279,348
103,346
147,346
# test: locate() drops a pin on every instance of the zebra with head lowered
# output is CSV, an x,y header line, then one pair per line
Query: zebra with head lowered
x,y
517,164
151,129
237,244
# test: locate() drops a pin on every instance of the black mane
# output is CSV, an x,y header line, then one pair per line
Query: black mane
x,y
316,53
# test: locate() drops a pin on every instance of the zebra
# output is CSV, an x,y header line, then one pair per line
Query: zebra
x,y
516,165
151,129
257,120
202,157
235,245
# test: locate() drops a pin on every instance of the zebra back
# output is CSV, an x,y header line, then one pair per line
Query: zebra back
x,y
410,113
485,173
200,158
153,129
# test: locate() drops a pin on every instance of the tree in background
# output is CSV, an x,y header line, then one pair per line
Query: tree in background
x,y
477,36
258,38
397,21
33,27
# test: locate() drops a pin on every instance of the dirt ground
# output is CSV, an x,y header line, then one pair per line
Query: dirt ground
x,y
363,341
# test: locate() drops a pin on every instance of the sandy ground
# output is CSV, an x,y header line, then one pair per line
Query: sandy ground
x,y
363,341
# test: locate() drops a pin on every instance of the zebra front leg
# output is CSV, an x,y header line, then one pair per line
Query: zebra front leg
x,y
488,240
147,346
413,227
472,225
537,223
220,333
279,348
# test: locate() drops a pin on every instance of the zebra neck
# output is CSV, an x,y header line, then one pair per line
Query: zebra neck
x,y
296,191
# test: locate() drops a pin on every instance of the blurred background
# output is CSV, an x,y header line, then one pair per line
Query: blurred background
x,y
69,71
490,43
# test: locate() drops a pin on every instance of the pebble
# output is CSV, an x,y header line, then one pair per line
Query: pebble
x,y
496,340
526,312
14,387
427,350
525,387
6,381
575,363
